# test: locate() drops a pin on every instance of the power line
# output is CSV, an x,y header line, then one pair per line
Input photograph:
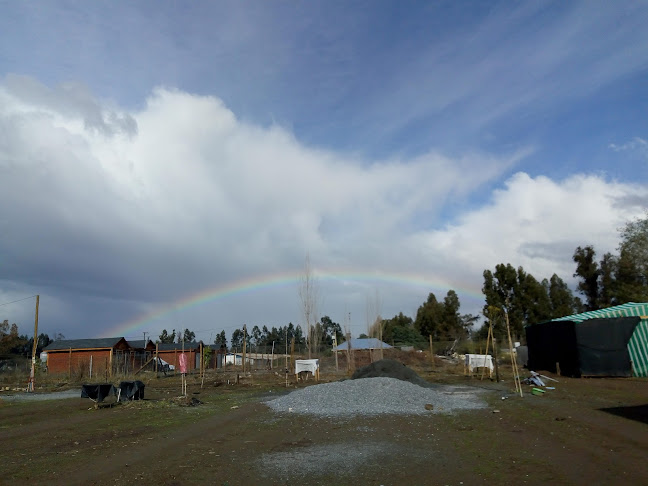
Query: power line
x,y
19,300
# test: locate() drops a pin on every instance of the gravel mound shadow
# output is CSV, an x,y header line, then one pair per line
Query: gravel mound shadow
x,y
389,368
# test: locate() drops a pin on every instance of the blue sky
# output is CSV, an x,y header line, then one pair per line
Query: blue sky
x,y
413,126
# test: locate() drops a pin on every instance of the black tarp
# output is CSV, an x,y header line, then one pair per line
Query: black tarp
x,y
595,347
603,346
97,391
522,356
551,343
131,390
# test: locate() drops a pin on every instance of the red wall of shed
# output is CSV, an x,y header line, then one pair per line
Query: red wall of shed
x,y
79,362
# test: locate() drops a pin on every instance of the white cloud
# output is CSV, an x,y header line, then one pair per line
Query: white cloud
x,y
536,223
637,145
124,219
192,197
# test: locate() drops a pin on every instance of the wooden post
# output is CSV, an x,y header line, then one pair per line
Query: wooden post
x,y
431,352
244,346
106,368
488,338
336,350
184,376
175,360
111,362
292,356
70,364
349,357
516,376
202,371
380,335
497,378
156,360
32,375
272,359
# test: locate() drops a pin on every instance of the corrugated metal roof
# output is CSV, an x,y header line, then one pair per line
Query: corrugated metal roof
x,y
139,344
171,346
83,343
638,344
363,344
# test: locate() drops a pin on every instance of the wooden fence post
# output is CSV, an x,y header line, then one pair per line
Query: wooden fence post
x,y
432,352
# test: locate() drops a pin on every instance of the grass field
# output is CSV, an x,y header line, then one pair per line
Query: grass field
x,y
586,431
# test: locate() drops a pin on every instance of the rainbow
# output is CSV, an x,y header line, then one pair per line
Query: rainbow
x,y
257,283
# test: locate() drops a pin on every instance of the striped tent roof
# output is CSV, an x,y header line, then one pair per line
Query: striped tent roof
x,y
638,344
630,309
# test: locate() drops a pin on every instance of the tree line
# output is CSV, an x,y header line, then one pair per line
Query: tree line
x,y
614,279
280,338
186,336
12,343
508,290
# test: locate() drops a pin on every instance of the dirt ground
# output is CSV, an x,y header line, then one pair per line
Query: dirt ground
x,y
586,431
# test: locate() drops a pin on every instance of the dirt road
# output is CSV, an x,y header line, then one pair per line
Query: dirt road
x,y
564,437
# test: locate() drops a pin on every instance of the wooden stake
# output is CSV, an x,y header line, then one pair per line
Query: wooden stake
x,y
336,351
202,370
244,345
516,377
488,338
432,352
497,378
32,376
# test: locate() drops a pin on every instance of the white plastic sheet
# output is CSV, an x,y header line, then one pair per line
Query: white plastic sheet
x,y
311,365
479,361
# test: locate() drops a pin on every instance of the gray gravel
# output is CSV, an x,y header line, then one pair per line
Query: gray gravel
x,y
375,396
38,396
322,459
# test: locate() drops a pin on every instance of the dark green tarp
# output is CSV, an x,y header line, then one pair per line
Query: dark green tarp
x,y
596,347
97,391
131,390
603,346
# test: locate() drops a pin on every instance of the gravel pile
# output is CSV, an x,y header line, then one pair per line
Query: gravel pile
x,y
375,396
390,368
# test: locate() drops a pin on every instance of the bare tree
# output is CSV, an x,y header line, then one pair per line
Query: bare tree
x,y
309,295
347,334
374,319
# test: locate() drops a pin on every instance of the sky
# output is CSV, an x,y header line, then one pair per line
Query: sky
x,y
171,165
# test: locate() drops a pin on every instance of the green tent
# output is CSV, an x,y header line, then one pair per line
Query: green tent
x,y
638,343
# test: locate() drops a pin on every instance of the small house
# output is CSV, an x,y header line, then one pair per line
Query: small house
x,y
88,356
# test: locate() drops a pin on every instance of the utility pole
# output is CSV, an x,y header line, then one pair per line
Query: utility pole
x,y
30,385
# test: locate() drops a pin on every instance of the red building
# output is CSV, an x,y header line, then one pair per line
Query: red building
x,y
89,357
170,352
